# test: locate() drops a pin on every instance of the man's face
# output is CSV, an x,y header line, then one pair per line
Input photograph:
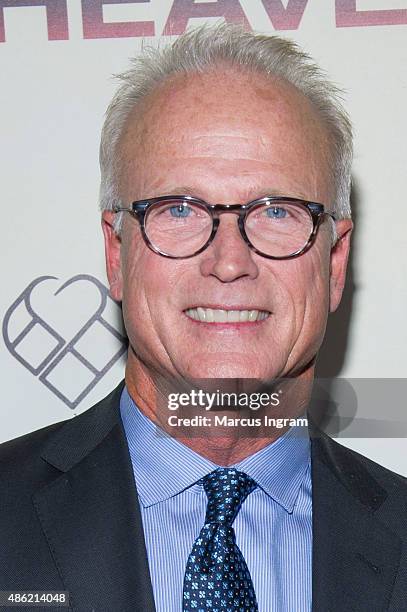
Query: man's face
x,y
225,137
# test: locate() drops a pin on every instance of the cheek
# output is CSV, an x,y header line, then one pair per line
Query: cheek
x,y
132,264
317,307
149,282
307,282
138,276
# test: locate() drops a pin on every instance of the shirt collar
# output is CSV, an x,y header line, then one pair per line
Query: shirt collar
x,y
280,468
163,466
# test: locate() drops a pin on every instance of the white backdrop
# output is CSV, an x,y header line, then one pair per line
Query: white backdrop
x,y
61,353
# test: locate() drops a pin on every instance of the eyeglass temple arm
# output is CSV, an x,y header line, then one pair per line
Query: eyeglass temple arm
x,y
136,207
318,209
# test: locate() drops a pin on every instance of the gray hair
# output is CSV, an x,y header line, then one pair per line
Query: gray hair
x,y
203,48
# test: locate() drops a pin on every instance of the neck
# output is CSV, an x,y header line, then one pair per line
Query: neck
x,y
224,436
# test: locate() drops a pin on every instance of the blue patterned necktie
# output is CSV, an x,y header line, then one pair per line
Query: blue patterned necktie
x,y
216,576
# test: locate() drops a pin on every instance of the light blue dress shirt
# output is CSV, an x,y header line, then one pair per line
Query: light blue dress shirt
x,y
273,527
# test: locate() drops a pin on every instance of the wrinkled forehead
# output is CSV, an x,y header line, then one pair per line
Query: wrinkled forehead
x,y
228,114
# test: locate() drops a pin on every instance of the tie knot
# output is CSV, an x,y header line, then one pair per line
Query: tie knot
x,y
226,489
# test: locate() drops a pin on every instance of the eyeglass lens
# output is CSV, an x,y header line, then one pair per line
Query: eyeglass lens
x,y
179,228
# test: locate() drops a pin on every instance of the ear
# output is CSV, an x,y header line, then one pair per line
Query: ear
x,y
339,262
112,255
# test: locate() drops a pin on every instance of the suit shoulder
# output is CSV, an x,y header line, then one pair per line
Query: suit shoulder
x,y
28,443
376,469
22,456
391,481
351,462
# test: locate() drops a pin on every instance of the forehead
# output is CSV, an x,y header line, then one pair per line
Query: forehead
x,y
227,115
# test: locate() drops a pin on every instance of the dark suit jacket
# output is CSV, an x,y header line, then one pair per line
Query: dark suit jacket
x,y
70,521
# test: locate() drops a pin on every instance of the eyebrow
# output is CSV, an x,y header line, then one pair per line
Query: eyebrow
x,y
184,190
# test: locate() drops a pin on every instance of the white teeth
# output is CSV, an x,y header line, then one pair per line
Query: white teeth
x,y
209,315
253,315
244,316
201,314
215,315
233,316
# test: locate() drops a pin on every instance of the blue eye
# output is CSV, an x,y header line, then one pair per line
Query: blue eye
x,y
276,212
180,211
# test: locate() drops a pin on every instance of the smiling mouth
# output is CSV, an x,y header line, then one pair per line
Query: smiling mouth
x,y
217,315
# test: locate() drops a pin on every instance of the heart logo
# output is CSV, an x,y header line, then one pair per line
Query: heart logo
x,y
64,334
68,307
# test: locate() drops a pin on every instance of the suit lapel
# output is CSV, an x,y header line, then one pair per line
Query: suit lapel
x,y
355,556
91,517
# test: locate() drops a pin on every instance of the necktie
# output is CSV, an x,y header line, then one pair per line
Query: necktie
x,y
216,576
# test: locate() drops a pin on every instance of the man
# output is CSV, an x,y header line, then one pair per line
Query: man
x,y
225,194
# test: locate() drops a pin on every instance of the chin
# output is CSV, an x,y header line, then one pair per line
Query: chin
x,y
233,367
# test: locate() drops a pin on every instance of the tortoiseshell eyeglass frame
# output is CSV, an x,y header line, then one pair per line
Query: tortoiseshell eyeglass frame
x,y
140,208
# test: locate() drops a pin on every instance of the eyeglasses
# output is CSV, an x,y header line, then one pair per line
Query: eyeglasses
x,y
181,226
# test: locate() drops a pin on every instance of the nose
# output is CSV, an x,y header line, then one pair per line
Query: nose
x,y
228,257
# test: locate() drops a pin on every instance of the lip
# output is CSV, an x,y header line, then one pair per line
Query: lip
x,y
228,329
226,307
227,326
